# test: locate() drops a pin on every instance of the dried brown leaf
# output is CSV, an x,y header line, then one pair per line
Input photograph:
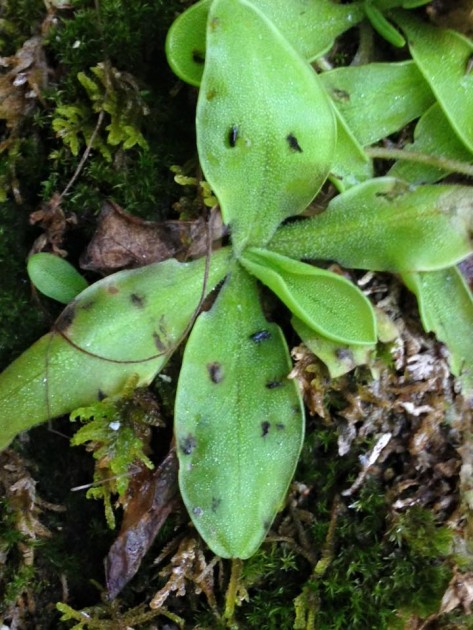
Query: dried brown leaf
x,y
153,496
51,218
23,84
123,240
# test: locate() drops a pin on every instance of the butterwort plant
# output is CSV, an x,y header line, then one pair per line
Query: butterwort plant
x,y
268,137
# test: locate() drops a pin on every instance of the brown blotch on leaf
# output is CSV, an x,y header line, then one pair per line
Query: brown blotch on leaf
x,y
265,426
137,300
113,290
188,444
66,318
215,371
158,343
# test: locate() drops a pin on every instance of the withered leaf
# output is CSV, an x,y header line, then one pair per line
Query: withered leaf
x,y
51,218
123,240
23,83
153,498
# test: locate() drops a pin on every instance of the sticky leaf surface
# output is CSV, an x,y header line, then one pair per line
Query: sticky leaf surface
x,y
238,421
265,145
324,301
378,99
298,20
126,324
385,225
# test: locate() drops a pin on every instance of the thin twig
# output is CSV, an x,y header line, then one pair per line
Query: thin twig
x,y
445,164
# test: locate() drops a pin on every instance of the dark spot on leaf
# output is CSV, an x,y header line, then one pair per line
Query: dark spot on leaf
x,y
214,23
296,409
198,56
280,426
273,384
340,95
66,318
215,503
86,306
101,395
158,343
188,444
137,300
265,426
113,290
293,144
266,525
215,371
261,335
344,354
233,135
197,511
211,94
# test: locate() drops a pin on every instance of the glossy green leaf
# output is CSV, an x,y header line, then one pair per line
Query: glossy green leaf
x,y
386,225
265,149
298,20
443,58
324,301
126,324
378,99
239,421
433,135
446,309
55,277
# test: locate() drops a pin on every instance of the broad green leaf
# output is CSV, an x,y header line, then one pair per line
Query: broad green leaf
x,y
386,225
339,358
55,277
265,145
378,99
446,309
124,325
433,135
326,302
239,421
443,57
351,165
298,20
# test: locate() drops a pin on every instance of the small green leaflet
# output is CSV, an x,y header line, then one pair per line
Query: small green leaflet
x,y
125,325
263,163
326,302
239,421
55,277
386,225
446,309
443,58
